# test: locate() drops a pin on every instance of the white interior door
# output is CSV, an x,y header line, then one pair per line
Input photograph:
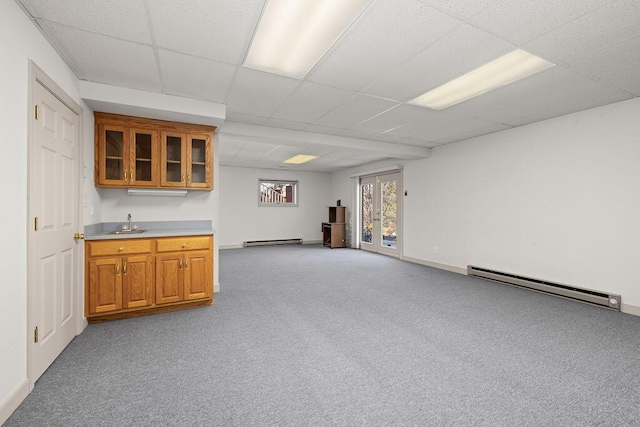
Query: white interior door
x,y
381,213
53,200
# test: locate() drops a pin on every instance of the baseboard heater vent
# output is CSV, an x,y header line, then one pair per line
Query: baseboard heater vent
x,y
249,243
601,299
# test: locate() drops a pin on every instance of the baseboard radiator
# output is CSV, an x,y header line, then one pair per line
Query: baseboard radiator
x,y
249,243
601,299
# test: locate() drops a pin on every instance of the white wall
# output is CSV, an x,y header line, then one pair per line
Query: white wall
x,y
241,218
556,200
19,42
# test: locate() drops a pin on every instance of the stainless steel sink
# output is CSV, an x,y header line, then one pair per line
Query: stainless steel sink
x,y
127,231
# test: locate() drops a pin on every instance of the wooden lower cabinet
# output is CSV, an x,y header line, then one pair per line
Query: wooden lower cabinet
x,y
137,281
105,285
133,277
198,270
169,278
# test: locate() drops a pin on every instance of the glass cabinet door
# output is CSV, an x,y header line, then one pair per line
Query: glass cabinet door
x,y
112,145
198,152
144,157
172,173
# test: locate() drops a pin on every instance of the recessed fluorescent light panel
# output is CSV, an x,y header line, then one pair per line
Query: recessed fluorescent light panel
x,y
293,35
502,71
300,159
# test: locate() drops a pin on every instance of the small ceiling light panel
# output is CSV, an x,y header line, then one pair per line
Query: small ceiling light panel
x,y
507,69
300,159
293,35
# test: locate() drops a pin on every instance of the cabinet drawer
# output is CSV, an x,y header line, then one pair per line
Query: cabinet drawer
x,y
119,247
183,243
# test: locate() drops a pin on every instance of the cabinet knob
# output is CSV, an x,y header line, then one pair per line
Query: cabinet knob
x,y
184,245
121,248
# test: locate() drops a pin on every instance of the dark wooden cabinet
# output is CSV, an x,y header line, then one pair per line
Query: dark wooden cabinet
x,y
334,231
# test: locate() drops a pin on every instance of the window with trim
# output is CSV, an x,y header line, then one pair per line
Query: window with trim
x,y
277,193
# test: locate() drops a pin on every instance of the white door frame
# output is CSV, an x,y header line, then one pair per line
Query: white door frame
x,y
400,219
38,76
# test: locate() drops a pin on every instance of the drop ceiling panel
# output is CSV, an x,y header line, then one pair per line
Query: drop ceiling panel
x,y
405,121
617,65
193,77
228,142
396,51
463,130
227,154
214,29
110,61
460,51
259,93
259,147
553,92
460,8
610,24
233,116
285,124
355,110
124,19
248,156
394,30
298,107
522,21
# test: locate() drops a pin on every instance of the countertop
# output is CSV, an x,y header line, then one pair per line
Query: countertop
x,y
103,231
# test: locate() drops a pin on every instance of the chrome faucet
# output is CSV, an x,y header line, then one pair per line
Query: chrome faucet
x,y
129,219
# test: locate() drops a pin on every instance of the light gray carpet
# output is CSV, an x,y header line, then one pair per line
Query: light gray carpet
x,y
304,335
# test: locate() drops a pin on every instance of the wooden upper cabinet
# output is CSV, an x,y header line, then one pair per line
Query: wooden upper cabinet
x,y
147,153
144,158
199,170
174,151
112,155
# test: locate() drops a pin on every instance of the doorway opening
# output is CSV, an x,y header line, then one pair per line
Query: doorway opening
x,y
380,210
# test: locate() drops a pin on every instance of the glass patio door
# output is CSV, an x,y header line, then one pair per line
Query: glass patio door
x,y
380,213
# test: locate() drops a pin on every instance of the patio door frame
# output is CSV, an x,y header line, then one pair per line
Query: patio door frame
x,y
376,245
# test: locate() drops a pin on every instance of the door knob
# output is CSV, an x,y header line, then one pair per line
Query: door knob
x,y
78,236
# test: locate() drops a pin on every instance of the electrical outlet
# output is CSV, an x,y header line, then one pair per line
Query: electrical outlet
x,y
436,249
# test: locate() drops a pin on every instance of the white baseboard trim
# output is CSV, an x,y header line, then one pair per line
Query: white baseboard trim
x,y
436,265
630,309
240,245
216,288
13,401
